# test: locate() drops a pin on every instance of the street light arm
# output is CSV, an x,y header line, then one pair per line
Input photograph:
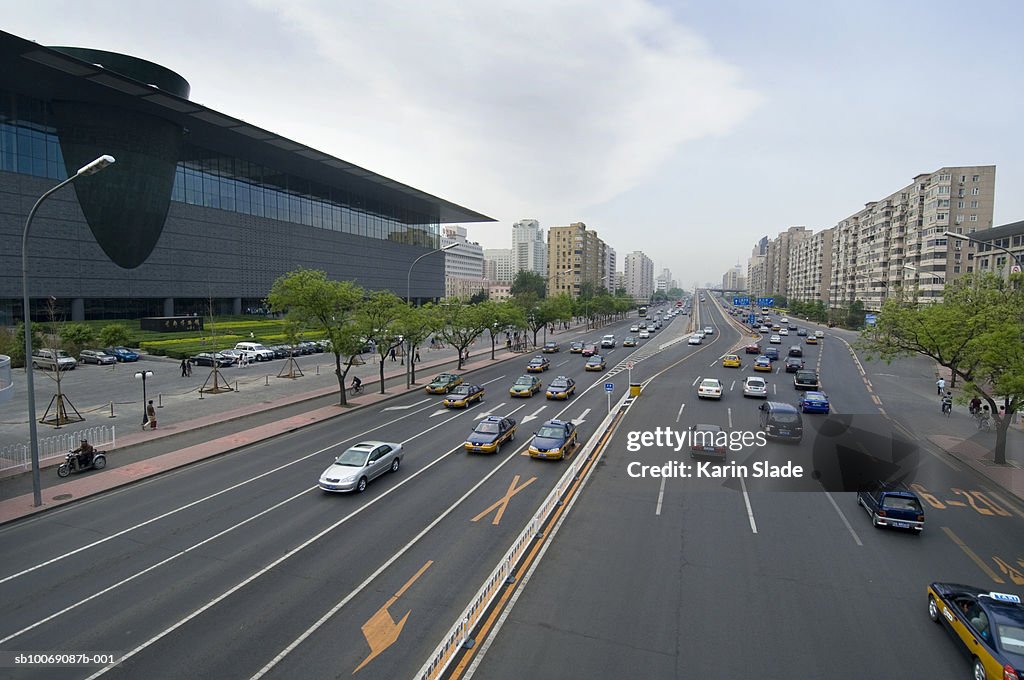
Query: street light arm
x,y
408,277
964,237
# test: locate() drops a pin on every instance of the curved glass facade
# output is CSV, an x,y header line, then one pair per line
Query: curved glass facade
x,y
29,145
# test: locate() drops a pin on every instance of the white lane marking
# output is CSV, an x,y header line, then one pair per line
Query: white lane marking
x,y
661,496
405,408
533,415
582,418
750,510
439,413
500,377
695,381
678,415
732,386
563,363
842,516
490,412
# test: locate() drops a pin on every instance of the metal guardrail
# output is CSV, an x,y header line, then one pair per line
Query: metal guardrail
x,y
457,636
17,456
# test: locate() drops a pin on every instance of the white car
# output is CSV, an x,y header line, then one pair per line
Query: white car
x,y
696,339
819,334
634,328
644,334
754,386
783,331
775,340
709,388
608,341
784,319
708,330
358,465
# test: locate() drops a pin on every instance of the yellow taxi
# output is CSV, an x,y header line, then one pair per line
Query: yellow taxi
x,y
989,625
732,361
525,386
561,388
811,340
443,384
463,395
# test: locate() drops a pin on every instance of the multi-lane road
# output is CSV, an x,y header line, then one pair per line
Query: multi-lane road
x,y
241,568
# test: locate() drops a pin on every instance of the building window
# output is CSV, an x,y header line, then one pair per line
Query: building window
x,y
976,191
959,219
974,218
975,178
960,204
974,204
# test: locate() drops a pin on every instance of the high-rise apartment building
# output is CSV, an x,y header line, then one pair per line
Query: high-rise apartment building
x,y
498,265
810,268
576,256
734,279
639,276
529,250
608,275
757,269
777,260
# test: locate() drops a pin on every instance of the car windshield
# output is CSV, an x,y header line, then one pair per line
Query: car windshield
x,y
525,381
594,360
786,418
487,428
559,384
1011,637
755,383
537,361
902,503
442,379
353,458
461,389
551,432
709,383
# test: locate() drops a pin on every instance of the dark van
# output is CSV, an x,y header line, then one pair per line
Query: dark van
x,y
781,421
892,505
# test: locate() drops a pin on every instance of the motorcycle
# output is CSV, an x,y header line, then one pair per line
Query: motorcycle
x,y
71,464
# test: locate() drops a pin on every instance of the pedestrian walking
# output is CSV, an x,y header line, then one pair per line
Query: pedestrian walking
x,y
184,368
417,359
940,384
392,354
188,369
150,415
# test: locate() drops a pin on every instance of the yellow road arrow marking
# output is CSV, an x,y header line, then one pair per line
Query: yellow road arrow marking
x,y
380,630
502,502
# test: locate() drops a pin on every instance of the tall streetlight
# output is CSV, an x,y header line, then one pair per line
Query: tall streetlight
x,y
940,277
90,169
142,375
962,237
408,301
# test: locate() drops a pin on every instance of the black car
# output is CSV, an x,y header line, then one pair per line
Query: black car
x,y
211,358
891,505
796,351
806,380
794,364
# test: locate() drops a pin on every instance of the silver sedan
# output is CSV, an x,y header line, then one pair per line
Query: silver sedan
x,y
353,469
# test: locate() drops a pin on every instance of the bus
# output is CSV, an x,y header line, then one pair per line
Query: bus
x,y
642,311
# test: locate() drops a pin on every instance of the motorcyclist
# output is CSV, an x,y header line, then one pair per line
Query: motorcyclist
x,y
947,401
84,454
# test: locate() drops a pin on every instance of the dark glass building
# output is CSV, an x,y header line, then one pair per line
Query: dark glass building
x,y
200,207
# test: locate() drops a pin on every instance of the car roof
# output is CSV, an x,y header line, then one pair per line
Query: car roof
x,y
754,377
493,419
815,395
557,423
782,406
369,445
707,427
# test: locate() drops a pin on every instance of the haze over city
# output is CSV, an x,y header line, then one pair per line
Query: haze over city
x,y
655,123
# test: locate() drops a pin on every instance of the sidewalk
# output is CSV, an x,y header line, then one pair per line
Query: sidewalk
x,y
85,485
956,435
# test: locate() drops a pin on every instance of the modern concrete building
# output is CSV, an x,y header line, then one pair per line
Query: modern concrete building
x,y
199,205
734,279
777,260
639,275
463,264
1000,250
810,267
529,249
608,275
576,257
757,271
499,265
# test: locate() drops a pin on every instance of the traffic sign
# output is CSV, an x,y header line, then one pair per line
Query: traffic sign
x,y
741,301
629,365
870,319
608,387
1015,269
751,319
766,302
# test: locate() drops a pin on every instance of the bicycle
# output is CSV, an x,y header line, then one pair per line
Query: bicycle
x,y
356,389
983,421
947,408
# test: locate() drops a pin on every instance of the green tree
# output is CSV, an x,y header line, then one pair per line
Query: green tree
x,y
460,324
114,335
676,293
415,326
308,297
529,282
975,332
76,337
478,297
377,319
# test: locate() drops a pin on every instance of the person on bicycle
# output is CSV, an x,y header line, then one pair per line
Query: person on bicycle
x,y
975,406
357,384
947,403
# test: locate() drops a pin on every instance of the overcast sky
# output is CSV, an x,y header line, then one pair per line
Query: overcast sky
x,y
687,130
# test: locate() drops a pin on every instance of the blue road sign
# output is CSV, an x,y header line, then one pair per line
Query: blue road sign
x,y
608,387
751,319
870,319
741,301
766,302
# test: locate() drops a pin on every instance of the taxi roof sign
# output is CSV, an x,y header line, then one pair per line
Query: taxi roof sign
x,y
1005,597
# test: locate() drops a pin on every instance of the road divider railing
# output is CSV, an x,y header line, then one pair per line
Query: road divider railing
x,y
16,458
458,635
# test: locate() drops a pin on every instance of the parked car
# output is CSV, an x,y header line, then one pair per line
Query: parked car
x,y
122,353
96,356
211,358
53,359
235,355
254,351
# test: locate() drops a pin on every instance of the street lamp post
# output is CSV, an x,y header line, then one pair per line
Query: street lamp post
x,y
408,300
142,375
962,237
90,169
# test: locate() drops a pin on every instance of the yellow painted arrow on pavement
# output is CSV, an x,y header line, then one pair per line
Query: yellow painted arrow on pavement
x,y
380,630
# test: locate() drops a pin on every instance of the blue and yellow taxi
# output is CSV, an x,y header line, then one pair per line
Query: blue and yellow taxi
x,y
595,363
490,433
561,388
763,363
814,402
525,386
444,383
550,347
555,439
463,395
576,348
989,625
630,341
538,364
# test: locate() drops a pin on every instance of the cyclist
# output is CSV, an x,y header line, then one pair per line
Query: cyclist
x,y
947,403
357,384
983,422
975,406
